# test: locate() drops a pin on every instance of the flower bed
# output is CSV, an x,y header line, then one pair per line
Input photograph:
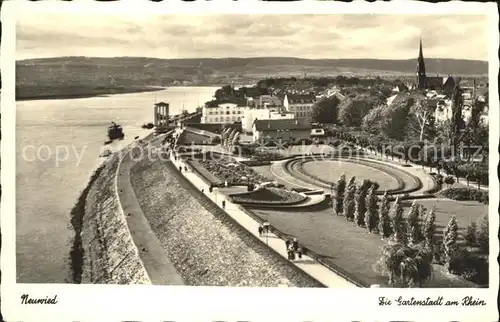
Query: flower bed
x,y
269,196
206,175
232,171
466,194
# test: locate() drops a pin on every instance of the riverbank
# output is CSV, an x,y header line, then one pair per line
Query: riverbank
x,y
31,93
101,233
108,254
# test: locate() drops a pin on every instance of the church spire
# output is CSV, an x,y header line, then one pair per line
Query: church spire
x,y
421,77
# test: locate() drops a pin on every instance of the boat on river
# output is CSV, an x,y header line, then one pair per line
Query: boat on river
x,y
115,132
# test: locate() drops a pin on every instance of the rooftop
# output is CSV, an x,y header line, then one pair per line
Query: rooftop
x,y
282,124
300,99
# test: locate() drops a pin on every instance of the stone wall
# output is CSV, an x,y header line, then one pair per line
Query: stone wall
x,y
205,245
109,253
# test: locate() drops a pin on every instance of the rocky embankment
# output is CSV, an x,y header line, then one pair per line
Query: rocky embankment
x,y
204,244
102,239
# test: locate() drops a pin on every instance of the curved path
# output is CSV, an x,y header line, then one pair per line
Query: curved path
x,y
159,268
421,181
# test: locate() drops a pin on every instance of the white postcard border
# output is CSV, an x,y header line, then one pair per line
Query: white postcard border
x,y
148,303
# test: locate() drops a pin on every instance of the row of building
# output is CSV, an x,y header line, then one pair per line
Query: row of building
x,y
293,112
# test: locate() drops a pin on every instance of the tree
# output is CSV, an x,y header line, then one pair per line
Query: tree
x,y
457,121
360,200
413,218
471,234
351,112
372,122
384,221
349,204
371,215
483,240
405,265
338,195
430,227
399,224
326,110
351,182
421,118
450,241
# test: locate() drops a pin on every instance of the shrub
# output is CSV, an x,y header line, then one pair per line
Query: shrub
x,y
360,201
450,242
338,195
399,224
405,265
471,234
384,221
449,180
483,235
371,216
430,227
216,140
349,204
466,193
414,230
471,267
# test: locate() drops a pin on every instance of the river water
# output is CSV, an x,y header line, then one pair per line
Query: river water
x,y
58,143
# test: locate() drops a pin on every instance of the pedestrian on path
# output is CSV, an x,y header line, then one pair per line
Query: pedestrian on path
x,y
185,169
223,204
291,254
261,230
300,251
287,243
295,244
180,169
202,190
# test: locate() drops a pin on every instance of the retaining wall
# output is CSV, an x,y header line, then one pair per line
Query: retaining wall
x,y
109,253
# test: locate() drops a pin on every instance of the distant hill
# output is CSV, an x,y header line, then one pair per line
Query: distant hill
x,y
141,71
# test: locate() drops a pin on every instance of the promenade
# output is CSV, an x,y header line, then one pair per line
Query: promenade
x,y
310,266
158,266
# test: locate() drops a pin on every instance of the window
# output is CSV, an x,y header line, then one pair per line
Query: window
x,y
216,119
234,112
227,112
228,118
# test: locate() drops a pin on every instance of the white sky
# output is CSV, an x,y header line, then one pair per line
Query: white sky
x,y
42,33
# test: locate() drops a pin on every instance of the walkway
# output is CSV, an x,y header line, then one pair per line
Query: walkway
x,y
424,170
159,268
307,264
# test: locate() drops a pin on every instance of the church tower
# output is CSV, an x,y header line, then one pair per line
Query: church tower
x,y
421,78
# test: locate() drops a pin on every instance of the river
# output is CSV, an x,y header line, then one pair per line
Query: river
x,y
58,143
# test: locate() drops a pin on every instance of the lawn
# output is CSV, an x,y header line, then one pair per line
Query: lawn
x,y
355,250
330,170
264,170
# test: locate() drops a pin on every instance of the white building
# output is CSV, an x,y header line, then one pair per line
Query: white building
x,y
252,114
300,105
223,113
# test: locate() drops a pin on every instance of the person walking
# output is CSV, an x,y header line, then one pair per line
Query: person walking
x,y
291,254
180,169
287,243
223,204
261,229
300,251
295,244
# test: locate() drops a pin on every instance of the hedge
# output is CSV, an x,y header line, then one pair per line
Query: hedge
x,y
466,194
